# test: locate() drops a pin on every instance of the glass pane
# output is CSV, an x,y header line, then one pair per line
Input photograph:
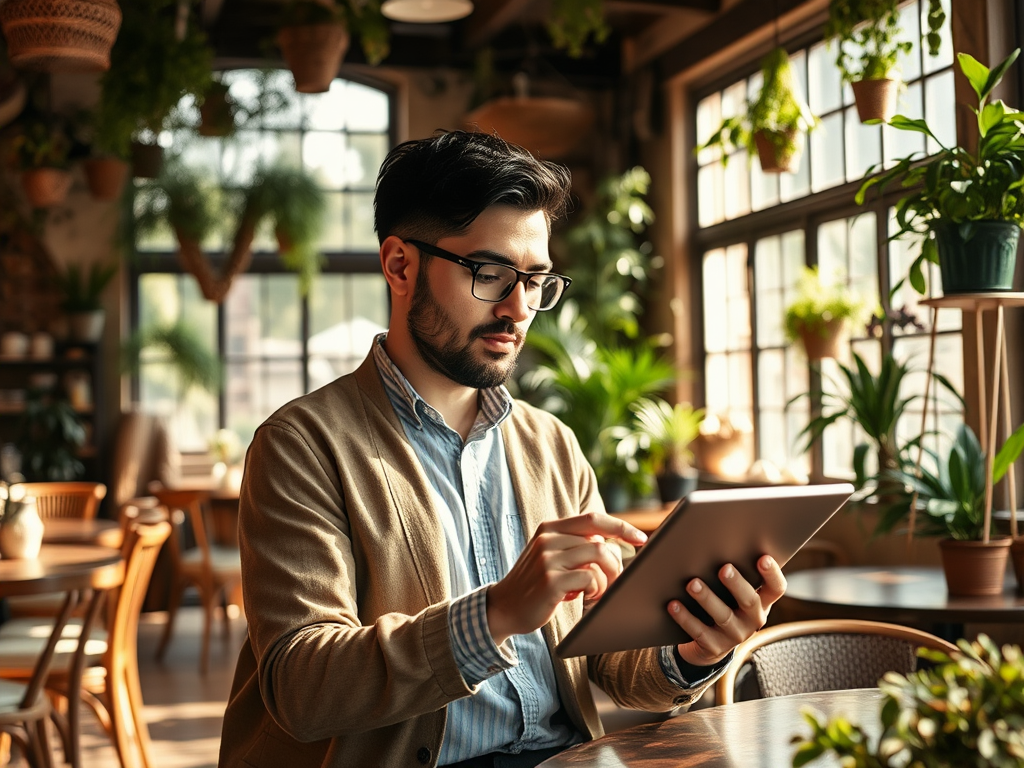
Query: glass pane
x,y
324,155
358,232
863,145
910,29
823,80
945,55
798,183
863,251
940,109
827,151
771,369
263,317
764,187
710,203
367,108
709,118
899,144
346,313
736,186
326,111
714,296
289,116
255,388
716,376
793,257
365,156
242,155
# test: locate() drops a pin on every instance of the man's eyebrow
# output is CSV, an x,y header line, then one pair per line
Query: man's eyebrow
x,y
499,258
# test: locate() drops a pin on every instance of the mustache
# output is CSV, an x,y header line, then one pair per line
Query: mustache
x,y
499,326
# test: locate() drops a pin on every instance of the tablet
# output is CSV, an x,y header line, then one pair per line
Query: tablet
x,y
705,531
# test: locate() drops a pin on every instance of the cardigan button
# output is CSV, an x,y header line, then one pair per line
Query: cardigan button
x,y
423,755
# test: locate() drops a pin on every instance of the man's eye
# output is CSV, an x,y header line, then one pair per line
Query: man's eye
x,y
487,279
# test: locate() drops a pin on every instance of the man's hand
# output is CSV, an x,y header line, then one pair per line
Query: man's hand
x,y
564,558
732,627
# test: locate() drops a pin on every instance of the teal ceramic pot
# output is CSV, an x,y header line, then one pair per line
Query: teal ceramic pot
x,y
977,257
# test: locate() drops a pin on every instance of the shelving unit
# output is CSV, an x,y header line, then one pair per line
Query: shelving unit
x,y
71,362
988,407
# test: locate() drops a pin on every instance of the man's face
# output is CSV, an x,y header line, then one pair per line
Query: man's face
x,y
472,342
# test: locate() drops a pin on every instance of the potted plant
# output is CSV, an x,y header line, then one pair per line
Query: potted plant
x,y
773,123
105,171
967,710
289,197
50,435
952,502
151,69
41,151
570,23
820,314
664,434
967,206
314,36
875,403
82,298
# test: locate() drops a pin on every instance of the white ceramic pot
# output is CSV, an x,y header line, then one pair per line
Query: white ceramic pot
x,y
21,534
86,326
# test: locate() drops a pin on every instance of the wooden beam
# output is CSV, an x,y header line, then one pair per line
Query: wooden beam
x,y
660,6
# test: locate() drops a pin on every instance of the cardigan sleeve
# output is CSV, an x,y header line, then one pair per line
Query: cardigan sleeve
x,y
322,672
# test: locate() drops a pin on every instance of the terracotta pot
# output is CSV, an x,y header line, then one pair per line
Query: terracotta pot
x,y
313,52
774,161
147,160
876,99
1017,556
974,568
549,127
46,186
105,176
217,112
828,344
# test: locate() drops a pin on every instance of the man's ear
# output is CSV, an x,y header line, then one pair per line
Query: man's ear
x,y
400,262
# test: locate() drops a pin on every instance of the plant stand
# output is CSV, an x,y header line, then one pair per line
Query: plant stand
x,y
988,406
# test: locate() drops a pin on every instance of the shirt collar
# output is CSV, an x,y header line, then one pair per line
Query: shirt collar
x,y
495,402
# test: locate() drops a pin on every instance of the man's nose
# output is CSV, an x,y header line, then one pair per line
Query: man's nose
x,y
513,307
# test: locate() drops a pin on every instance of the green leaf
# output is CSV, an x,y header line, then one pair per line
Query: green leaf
x,y
976,72
1008,454
990,116
916,276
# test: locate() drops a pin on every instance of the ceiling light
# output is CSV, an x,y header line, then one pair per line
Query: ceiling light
x,y
426,11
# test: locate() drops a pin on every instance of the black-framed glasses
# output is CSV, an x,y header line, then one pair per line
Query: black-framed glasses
x,y
494,282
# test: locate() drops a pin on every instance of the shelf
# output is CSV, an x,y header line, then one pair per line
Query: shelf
x,y
976,300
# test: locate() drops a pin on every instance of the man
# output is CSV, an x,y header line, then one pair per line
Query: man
x,y
414,544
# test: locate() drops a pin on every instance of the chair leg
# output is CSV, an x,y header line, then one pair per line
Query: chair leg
x,y
209,600
172,612
40,742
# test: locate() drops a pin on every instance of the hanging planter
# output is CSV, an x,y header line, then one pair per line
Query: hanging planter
x,y
147,160
60,35
549,127
313,52
105,176
217,112
875,98
779,151
46,187
819,314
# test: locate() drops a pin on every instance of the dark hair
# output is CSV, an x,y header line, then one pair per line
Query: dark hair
x,y
435,187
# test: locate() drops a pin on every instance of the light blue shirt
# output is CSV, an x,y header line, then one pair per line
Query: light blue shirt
x,y
516,702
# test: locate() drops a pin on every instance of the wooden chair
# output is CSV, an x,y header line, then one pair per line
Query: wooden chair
x,y
107,666
214,570
70,500
824,655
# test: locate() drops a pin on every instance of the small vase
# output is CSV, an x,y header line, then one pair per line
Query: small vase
x,y
21,534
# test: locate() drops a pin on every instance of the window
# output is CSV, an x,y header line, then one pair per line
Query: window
x,y
275,343
757,231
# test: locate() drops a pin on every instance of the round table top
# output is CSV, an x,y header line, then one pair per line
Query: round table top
x,y
741,735
61,568
899,594
106,533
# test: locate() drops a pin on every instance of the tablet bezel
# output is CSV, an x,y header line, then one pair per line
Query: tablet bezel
x,y
737,525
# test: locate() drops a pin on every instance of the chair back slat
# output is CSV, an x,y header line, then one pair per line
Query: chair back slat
x,y
66,500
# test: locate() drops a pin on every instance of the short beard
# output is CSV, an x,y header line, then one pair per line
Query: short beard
x,y
436,337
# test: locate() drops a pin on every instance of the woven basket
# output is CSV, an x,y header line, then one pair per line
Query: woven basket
x,y
60,35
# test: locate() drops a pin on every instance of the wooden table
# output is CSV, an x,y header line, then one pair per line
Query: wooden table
x,y
911,595
749,734
72,569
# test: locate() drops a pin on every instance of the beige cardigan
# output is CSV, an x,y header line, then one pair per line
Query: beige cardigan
x,y
348,661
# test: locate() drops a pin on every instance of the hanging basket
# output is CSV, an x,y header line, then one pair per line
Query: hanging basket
x,y
774,160
826,342
549,127
45,187
60,35
875,99
313,52
105,176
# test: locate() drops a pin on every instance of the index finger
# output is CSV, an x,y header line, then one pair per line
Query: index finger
x,y
597,523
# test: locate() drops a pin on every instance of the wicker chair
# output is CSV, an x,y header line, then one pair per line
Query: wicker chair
x,y
66,500
823,655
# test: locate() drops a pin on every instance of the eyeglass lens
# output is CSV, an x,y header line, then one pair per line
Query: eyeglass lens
x,y
493,282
